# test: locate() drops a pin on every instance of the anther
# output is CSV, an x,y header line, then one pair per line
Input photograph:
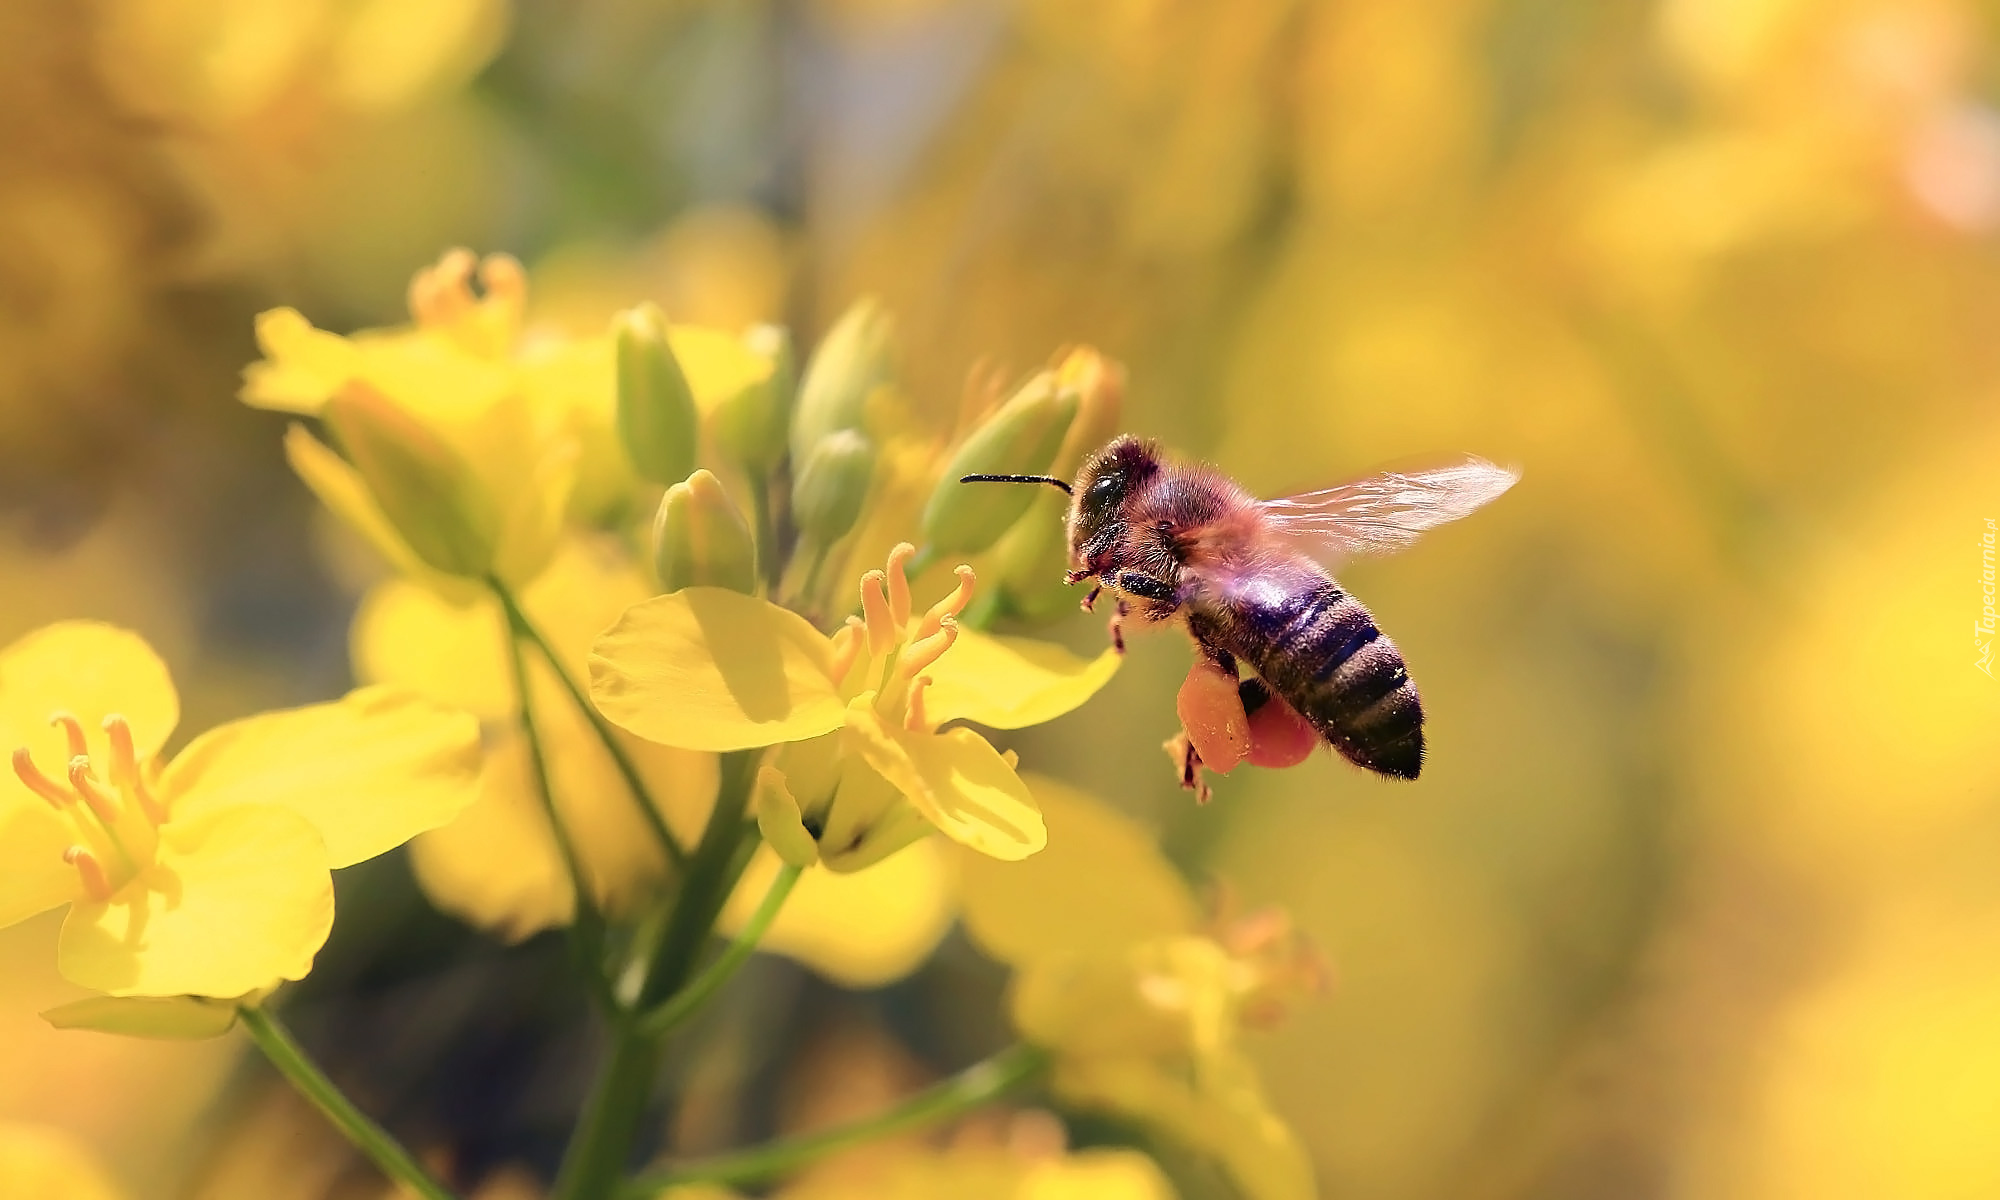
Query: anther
x,y
95,884
899,583
38,783
951,605
882,627
920,654
914,719
846,648
101,802
124,757
503,280
72,732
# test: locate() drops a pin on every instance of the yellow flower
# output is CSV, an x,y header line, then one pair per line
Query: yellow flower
x,y
48,1164
497,866
866,769
208,875
526,420
1141,1005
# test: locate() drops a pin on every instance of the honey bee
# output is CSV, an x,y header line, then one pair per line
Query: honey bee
x,y
1246,578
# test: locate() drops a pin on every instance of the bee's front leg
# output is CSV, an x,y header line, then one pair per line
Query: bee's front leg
x,y
1090,601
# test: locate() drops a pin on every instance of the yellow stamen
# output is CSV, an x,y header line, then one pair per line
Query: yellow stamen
x,y
503,280
72,732
951,605
440,294
913,715
124,758
95,884
101,802
846,648
882,628
38,783
899,583
921,653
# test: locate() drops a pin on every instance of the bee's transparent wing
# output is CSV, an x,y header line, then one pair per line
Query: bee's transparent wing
x,y
1385,513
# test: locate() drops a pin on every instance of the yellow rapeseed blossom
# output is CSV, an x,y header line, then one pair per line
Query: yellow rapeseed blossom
x,y
866,769
406,634
520,421
1140,1003
206,876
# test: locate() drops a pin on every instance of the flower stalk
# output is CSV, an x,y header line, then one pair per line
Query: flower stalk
x,y
975,1087
660,1021
524,628
303,1074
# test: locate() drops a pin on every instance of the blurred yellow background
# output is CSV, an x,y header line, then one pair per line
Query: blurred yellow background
x,y
1699,895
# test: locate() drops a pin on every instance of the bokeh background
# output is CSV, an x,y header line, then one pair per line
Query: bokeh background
x,y
1700,894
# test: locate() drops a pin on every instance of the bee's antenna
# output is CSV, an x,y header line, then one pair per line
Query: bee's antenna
x,y
1051,480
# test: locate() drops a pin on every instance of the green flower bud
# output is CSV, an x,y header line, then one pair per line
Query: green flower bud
x,y
1099,384
850,363
832,485
420,483
656,413
1020,438
750,427
701,540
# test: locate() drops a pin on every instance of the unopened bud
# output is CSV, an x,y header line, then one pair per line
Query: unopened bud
x,y
1099,385
832,485
850,363
420,483
750,427
1021,438
656,412
701,540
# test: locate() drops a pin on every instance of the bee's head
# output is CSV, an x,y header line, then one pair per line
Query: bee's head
x,y
1106,481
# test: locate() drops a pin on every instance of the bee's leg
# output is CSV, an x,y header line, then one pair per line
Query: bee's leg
x,y
1116,625
1072,578
1091,599
1187,761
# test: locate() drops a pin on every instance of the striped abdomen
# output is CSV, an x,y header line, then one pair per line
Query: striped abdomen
x,y
1319,649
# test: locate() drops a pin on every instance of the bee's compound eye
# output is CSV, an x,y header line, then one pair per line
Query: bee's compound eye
x,y
1104,489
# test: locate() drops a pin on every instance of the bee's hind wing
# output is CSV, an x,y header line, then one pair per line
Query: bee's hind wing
x,y
1385,513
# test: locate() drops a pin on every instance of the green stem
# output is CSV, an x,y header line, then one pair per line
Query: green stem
x,y
368,1137
686,1002
587,924
517,620
976,1086
612,1115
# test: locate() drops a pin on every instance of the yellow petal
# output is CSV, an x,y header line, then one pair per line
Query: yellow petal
x,y
1101,884
861,930
1223,1114
369,771
711,669
90,670
340,487
718,366
33,876
408,635
302,366
235,902
1011,682
172,1018
48,1164
956,779
1096,1175
496,867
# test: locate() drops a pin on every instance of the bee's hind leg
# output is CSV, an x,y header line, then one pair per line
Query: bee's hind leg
x,y
1187,760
